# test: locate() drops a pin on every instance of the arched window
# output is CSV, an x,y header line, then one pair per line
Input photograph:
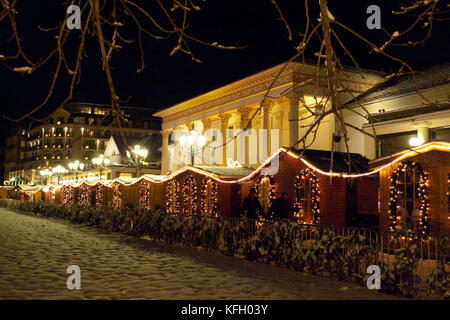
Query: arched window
x,y
265,189
172,205
209,197
408,200
307,197
190,196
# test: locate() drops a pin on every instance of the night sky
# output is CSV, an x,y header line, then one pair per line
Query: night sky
x,y
168,80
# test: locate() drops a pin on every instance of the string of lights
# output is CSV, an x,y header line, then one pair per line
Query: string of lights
x,y
189,194
209,200
172,204
396,192
305,176
442,146
144,195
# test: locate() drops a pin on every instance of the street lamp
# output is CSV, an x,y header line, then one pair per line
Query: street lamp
x,y
100,162
140,155
76,166
58,170
191,141
46,173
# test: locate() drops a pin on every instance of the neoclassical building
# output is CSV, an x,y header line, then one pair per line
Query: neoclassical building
x,y
393,110
230,108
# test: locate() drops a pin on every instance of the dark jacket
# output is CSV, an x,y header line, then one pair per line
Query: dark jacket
x,y
280,209
249,208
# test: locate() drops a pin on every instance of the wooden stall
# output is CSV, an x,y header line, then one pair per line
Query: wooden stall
x,y
317,197
207,190
414,189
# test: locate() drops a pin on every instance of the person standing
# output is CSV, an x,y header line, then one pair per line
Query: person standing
x,y
251,205
280,208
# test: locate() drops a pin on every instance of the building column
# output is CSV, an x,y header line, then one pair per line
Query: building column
x,y
165,151
293,118
267,108
224,117
206,124
245,116
424,134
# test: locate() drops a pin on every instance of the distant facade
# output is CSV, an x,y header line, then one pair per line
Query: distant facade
x,y
77,131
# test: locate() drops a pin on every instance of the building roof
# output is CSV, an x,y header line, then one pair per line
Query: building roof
x,y
231,172
424,79
322,160
290,73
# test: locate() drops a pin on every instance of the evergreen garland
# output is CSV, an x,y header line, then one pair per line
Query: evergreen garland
x,y
205,197
271,197
315,194
408,167
172,204
117,196
99,195
189,194
144,195
84,194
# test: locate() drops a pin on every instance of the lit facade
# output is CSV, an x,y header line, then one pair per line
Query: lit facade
x,y
231,107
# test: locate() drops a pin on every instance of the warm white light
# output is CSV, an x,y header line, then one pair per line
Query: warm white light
x,y
201,141
415,141
190,140
182,140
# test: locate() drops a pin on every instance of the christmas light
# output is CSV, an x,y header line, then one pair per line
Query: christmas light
x,y
172,205
405,168
209,200
189,193
144,195
300,185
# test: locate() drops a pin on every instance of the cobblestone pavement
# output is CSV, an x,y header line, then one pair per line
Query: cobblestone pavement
x,y
35,253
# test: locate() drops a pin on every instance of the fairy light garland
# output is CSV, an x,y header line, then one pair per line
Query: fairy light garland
x,y
52,194
144,195
68,195
300,182
271,197
189,193
84,194
209,200
99,195
172,189
422,188
117,196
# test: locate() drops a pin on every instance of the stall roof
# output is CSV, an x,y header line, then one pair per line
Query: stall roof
x,y
231,172
322,160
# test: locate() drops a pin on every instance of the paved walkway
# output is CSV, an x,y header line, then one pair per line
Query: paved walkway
x,y
35,253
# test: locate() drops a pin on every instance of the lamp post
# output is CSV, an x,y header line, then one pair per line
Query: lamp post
x,y
58,170
76,166
140,155
46,173
191,141
100,162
